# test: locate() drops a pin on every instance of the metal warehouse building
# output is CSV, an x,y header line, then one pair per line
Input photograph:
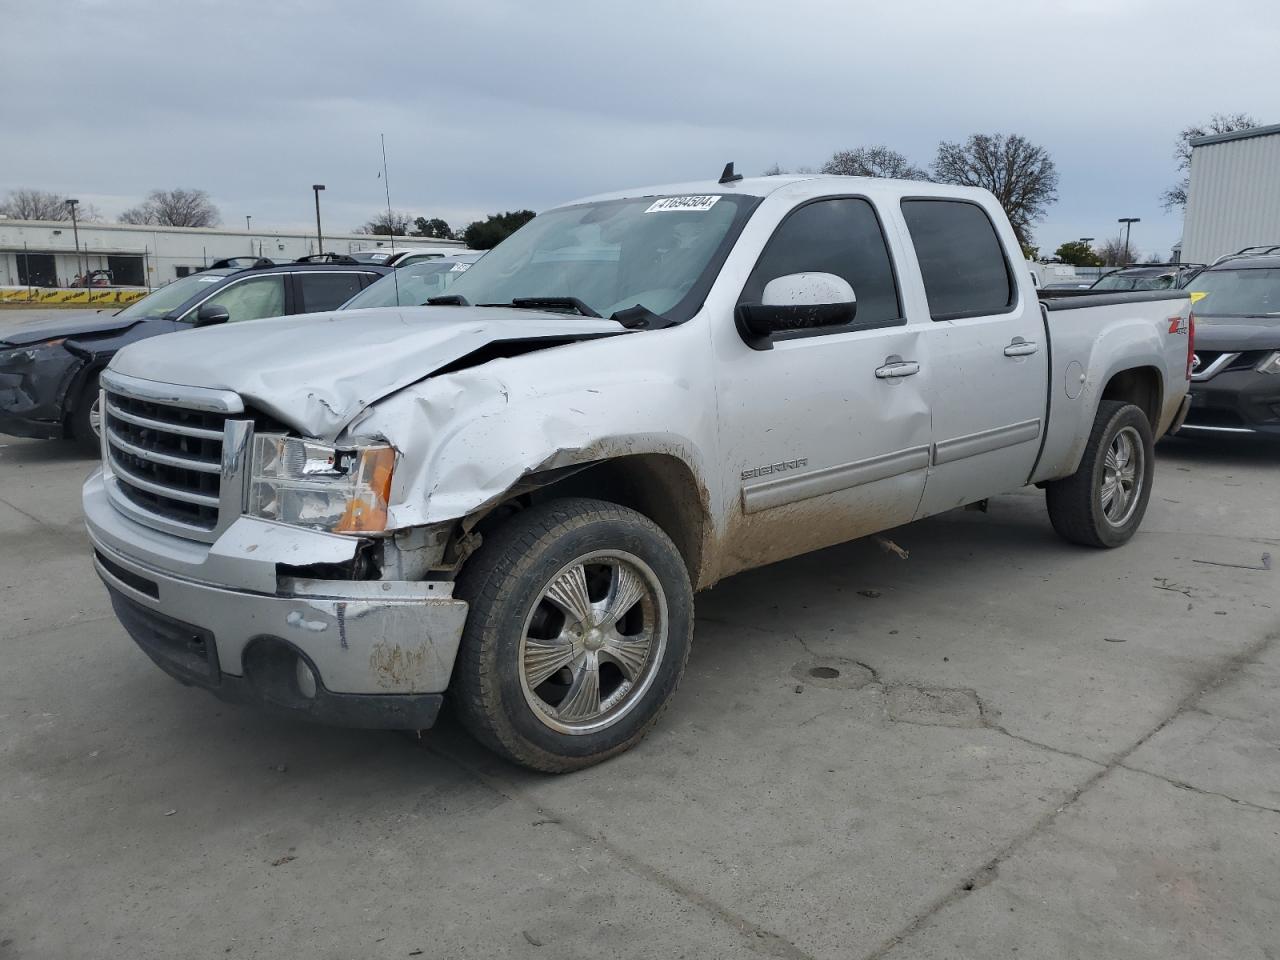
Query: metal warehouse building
x,y
1234,200
43,252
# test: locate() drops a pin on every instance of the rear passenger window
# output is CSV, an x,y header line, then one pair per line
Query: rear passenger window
x,y
840,236
961,261
327,291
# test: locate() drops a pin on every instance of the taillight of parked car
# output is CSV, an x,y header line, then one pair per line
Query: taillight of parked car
x,y
1191,342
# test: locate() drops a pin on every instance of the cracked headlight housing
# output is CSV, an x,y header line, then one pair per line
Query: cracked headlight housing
x,y
311,484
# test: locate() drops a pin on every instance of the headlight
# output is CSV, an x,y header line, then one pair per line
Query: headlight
x,y
32,352
312,484
1270,364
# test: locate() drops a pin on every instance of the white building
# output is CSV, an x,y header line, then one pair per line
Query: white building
x,y
1234,200
43,253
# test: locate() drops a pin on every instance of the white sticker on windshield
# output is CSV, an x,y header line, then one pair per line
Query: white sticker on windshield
x,y
209,279
682,203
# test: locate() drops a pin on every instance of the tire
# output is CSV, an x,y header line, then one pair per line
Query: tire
x,y
632,631
1079,507
83,414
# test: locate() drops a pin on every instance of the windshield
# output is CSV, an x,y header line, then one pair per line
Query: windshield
x,y
660,253
378,257
1236,293
171,296
1135,282
409,286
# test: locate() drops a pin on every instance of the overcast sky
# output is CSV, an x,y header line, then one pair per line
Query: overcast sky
x,y
491,105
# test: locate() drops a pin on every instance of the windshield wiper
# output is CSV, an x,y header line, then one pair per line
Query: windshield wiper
x,y
546,303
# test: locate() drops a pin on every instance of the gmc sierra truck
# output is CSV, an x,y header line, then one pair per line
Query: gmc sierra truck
x,y
508,497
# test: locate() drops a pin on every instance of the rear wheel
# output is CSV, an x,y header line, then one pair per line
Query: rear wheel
x,y
580,622
1103,502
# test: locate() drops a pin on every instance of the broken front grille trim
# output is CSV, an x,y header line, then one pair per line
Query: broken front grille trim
x,y
153,429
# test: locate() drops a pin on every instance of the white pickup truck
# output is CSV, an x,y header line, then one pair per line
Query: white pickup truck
x,y
510,495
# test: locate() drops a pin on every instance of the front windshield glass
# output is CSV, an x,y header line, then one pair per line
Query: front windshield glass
x,y
409,286
1236,293
378,257
613,255
171,296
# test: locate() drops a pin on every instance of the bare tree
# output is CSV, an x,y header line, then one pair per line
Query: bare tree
x,y
874,161
28,204
1020,174
174,208
1115,253
1176,196
396,224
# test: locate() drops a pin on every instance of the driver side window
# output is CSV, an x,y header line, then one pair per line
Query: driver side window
x,y
840,236
252,299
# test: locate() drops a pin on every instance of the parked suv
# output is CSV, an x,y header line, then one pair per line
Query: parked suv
x,y
1235,375
49,368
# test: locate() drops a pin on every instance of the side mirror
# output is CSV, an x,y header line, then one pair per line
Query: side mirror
x,y
211,313
798,301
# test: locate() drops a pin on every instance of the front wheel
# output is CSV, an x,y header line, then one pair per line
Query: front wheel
x,y
86,415
1103,502
580,623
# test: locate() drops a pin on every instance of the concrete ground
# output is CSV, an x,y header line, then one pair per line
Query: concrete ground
x,y
1030,750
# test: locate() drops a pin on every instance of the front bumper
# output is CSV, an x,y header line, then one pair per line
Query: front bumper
x,y
221,616
1243,401
17,426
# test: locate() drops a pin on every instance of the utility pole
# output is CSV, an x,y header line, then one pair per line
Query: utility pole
x,y
247,218
75,230
317,187
1128,222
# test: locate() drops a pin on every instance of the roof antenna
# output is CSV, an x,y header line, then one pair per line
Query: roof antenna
x,y
391,225
729,176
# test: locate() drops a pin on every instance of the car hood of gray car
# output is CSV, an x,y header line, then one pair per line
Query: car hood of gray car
x,y
317,372
1237,333
73,323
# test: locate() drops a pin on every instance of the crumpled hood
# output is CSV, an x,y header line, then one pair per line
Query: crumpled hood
x,y
317,372
1237,333
71,323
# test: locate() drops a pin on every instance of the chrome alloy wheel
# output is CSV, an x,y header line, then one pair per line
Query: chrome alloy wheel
x,y
95,416
593,641
1123,472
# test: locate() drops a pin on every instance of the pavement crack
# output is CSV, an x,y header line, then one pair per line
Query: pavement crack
x,y
756,938
1225,671
1183,785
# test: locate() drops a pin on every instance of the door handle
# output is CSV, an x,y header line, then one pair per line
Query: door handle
x,y
1021,348
895,367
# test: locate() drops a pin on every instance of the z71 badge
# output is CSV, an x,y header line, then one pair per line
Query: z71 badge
x,y
769,468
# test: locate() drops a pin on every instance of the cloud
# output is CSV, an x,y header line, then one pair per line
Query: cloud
x,y
504,105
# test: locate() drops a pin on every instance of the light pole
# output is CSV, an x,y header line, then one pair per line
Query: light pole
x,y
247,229
1128,222
75,231
317,187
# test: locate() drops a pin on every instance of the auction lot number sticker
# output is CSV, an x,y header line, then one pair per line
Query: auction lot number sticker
x,y
682,203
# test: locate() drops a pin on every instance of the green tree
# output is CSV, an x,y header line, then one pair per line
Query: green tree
x,y
1079,253
434,227
488,233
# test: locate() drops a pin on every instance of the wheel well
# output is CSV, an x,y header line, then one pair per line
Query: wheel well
x,y
1140,386
660,486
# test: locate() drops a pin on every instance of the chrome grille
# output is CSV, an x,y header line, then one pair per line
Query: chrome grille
x,y
166,459
174,457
